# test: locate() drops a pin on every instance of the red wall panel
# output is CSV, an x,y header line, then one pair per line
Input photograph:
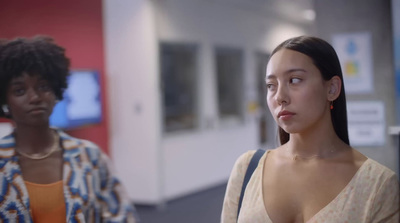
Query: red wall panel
x,y
77,26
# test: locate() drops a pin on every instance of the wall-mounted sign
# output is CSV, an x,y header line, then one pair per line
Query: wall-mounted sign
x,y
355,55
366,123
82,102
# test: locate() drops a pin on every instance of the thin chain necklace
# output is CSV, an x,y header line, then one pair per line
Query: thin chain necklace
x,y
38,156
297,156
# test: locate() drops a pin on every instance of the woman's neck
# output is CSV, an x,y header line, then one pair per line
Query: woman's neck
x,y
34,139
320,142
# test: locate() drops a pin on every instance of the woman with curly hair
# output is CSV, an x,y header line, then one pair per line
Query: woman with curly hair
x,y
47,175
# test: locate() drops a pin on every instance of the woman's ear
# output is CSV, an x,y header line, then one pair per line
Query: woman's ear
x,y
334,88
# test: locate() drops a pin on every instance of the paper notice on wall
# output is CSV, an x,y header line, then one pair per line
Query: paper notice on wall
x,y
355,55
366,121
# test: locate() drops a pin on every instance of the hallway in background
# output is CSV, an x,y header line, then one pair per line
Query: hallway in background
x,y
201,207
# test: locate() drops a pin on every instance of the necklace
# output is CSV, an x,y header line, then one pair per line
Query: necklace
x,y
297,156
38,156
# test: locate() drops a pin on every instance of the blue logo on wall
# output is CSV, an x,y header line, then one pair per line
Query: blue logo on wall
x,y
82,102
351,47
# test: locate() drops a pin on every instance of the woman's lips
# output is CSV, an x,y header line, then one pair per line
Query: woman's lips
x,y
285,115
37,110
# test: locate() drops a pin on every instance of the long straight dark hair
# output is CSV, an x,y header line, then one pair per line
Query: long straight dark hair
x,y
326,60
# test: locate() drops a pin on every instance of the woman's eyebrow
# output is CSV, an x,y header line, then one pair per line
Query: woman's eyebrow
x,y
272,76
295,70
16,82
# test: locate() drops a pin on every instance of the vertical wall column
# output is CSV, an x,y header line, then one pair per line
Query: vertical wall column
x,y
132,69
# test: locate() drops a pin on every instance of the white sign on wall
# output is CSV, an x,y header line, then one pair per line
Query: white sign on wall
x,y
366,123
355,55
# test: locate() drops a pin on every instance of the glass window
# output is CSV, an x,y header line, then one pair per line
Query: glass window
x,y
178,78
229,67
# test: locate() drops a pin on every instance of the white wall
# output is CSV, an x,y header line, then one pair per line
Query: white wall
x,y
155,166
131,64
200,160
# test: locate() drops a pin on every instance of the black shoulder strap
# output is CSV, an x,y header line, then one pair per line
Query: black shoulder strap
x,y
250,169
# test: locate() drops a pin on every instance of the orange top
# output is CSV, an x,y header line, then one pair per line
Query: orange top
x,y
47,201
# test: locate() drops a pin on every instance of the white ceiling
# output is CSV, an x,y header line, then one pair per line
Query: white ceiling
x,y
287,9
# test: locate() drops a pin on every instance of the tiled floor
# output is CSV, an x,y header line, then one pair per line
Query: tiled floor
x,y
202,207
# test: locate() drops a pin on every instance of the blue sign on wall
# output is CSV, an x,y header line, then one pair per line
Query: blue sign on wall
x,y
82,102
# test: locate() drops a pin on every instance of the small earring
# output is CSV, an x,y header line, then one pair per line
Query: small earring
x,y
331,105
5,109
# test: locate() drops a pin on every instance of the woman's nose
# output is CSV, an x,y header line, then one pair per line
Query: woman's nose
x,y
281,95
34,96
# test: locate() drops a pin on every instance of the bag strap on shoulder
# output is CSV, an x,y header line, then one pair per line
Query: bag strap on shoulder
x,y
250,169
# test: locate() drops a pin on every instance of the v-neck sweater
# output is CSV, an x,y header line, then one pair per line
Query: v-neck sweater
x,y
372,195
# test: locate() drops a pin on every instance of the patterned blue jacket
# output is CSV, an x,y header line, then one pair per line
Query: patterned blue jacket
x,y
91,192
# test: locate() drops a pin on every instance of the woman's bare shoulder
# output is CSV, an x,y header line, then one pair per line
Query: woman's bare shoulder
x,y
354,157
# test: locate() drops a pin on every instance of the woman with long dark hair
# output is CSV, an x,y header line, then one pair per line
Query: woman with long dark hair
x,y
314,175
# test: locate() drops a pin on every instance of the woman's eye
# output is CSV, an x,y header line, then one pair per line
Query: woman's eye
x,y
270,87
19,91
44,87
295,80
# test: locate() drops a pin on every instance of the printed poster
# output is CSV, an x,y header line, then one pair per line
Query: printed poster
x,y
355,55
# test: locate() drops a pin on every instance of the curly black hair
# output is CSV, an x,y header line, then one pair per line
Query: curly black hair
x,y
36,55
